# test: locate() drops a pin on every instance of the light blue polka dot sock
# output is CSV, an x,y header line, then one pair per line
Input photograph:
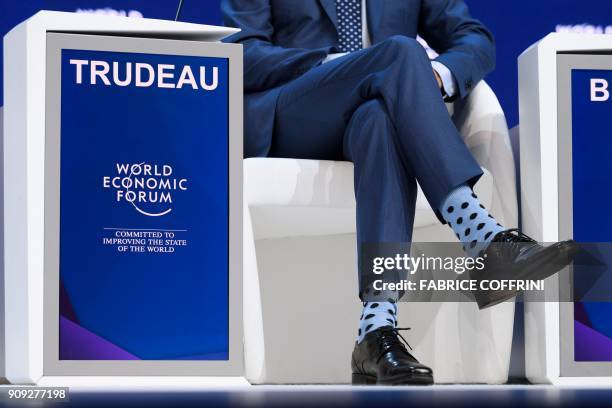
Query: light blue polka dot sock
x,y
376,315
470,220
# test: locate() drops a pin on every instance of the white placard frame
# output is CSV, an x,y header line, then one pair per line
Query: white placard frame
x,y
539,129
25,108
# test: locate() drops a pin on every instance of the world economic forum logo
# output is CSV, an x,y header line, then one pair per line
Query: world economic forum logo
x,y
149,188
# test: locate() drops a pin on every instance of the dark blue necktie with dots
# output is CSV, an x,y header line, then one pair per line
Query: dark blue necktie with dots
x,y
349,25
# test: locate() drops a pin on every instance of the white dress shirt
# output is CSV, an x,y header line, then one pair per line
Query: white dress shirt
x,y
448,80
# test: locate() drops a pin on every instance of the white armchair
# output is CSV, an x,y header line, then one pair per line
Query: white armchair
x,y
300,267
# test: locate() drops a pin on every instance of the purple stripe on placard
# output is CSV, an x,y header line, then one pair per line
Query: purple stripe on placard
x,y
590,345
77,343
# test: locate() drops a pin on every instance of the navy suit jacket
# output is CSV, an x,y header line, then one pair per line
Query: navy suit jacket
x,y
283,39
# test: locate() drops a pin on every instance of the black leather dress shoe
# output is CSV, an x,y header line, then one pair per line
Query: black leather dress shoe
x,y
381,358
515,256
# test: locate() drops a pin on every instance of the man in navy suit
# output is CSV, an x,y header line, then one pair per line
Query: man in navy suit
x,y
347,80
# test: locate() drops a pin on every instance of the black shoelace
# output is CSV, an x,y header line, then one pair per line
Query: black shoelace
x,y
513,241
391,338
514,235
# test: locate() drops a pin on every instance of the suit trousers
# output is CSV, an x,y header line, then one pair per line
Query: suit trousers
x,y
382,109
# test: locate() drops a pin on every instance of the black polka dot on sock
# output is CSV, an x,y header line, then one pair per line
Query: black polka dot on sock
x,y
373,305
368,327
498,224
467,232
473,244
465,205
473,216
361,318
490,216
390,321
371,315
488,234
481,226
459,220
482,206
458,237
391,312
450,209
474,195
391,300
450,225
359,332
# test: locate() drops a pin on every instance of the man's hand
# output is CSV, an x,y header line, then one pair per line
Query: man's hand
x,y
438,78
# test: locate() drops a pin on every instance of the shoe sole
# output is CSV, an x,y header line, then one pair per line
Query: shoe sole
x,y
545,268
365,379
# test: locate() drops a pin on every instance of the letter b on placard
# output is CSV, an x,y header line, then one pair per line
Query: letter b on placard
x,y
599,90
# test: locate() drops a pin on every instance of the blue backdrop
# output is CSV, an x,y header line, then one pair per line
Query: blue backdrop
x,y
516,24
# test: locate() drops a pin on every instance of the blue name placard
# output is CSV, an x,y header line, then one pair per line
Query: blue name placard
x,y
143,207
592,201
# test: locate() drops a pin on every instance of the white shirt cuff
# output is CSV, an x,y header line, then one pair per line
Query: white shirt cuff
x,y
332,57
448,80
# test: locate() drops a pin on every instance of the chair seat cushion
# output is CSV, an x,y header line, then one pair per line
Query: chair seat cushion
x,y
295,197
